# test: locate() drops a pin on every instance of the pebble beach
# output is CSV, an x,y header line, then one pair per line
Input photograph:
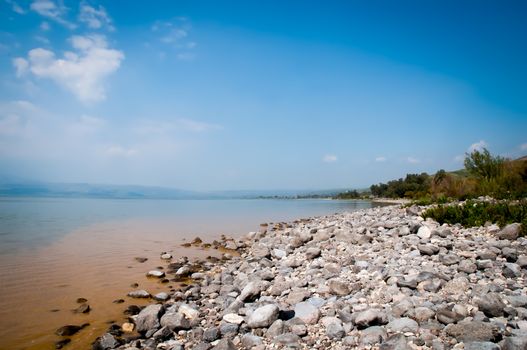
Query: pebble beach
x,y
379,278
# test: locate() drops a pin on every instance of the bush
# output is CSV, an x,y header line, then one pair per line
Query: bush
x,y
475,213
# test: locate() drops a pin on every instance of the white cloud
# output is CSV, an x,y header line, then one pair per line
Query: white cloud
x,y
95,18
16,7
459,158
53,11
523,147
380,159
42,39
82,72
412,160
329,158
477,146
120,151
44,26
21,66
181,124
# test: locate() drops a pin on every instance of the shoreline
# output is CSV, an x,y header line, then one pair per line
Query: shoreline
x,y
374,277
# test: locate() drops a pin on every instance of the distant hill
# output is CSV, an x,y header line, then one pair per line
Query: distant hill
x,y
84,190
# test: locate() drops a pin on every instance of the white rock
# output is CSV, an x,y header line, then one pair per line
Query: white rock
x,y
233,318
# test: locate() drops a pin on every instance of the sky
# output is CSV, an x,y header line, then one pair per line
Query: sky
x,y
234,95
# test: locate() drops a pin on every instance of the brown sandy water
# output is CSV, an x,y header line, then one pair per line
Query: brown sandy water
x,y
97,263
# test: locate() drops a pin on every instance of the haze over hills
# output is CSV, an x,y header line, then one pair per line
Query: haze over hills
x,y
86,190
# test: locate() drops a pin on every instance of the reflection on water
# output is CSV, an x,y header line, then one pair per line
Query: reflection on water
x,y
53,251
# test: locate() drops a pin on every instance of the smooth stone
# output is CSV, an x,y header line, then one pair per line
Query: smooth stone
x,y
467,266
514,343
250,292
511,270
307,312
155,273
148,318
510,232
139,294
264,316
278,327
373,335
175,321
312,253
166,256
424,232
161,296
369,318
233,318
449,259
335,331
396,342
250,340
404,324
211,334
107,341
83,309
491,304
188,311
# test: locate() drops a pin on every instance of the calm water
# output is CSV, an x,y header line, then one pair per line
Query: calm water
x,y
54,250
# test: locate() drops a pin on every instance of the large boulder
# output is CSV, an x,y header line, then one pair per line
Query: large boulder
x,y
510,232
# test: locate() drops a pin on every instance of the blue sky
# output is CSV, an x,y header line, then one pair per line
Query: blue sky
x,y
209,95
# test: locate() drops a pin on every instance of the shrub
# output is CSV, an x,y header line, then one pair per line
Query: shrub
x,y
476,213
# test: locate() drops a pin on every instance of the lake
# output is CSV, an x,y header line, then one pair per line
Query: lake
x,y
55,250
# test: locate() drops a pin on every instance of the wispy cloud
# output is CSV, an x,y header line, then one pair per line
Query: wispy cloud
x,y
81,72
412,160
477,146
175,34
380,159
523,147
52,10
329,158
174,125
16,7
44,26
95,18
459,158
120,151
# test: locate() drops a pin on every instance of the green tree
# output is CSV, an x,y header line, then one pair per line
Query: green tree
x,y
483,165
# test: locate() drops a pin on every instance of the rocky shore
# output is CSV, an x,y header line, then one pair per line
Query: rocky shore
x,y
381,278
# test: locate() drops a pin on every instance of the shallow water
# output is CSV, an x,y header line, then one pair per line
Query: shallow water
x,y
53,251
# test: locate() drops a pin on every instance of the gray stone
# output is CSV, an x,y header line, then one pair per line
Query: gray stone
x,y
514,343
148,318
263,316
491,304
517,300
396,342
373,335
449,259
161,296
260,251
211,334
510,232
162,334
446,316
278,327
428,249
250,340
227,328
511,270
307,312
224,344
404,324
107,341
370,317
175,321
155,273
287,339
335,330
233,318
139,294
421,314
467,266
251,291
